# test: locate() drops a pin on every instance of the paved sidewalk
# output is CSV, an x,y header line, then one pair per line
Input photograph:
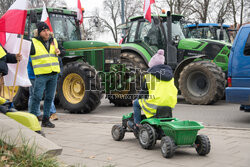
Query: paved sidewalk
x,y
91,145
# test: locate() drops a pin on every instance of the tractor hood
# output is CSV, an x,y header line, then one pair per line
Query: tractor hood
x,y
201,44
88,45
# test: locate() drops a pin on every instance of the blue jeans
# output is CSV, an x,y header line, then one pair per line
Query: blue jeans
x,y
43,83
31,90
137,112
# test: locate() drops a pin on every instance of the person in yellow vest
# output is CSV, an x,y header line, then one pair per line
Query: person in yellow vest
x,y
158,89
44,57
5,58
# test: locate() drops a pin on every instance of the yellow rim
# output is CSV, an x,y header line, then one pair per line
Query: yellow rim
x,y
6,91
73,88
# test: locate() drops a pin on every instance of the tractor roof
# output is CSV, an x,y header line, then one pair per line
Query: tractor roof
x,y
55,10
164,16
206,25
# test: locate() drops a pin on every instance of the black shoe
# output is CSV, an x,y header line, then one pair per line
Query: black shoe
x,y
47,123
40,117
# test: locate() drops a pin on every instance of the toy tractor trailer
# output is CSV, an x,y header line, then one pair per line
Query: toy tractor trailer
x,y
199,65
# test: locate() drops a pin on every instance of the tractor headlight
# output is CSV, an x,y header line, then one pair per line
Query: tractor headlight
x,y
109,61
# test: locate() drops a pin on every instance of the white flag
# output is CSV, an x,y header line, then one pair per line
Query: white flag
x,y
12,46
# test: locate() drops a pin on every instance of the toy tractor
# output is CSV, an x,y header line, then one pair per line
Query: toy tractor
x,y
172,132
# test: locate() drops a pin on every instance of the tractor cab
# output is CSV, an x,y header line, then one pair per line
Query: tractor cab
x,y
65,24
153,36
211,31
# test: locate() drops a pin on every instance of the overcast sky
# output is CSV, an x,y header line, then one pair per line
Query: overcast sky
x,y
88,5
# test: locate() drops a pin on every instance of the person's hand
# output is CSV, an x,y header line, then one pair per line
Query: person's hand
x,y
57,51
19,57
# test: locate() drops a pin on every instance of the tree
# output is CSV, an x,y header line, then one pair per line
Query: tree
x,y
48,3
224,9
200,8
5,5
179,6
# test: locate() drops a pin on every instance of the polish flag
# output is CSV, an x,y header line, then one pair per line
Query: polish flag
x,y
147,9
13,21
45,17
79,12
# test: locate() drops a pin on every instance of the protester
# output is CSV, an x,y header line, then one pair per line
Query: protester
x,y
44,56
5,58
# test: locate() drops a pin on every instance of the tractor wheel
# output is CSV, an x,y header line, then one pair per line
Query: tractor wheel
x,y
202,82
167,147
21,98
133,62
79,88
147,137
117,132
202,144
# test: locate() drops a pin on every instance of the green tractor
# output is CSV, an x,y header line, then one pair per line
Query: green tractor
x,y
79,87
199,65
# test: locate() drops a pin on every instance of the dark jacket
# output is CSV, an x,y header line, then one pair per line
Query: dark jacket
x,y
8,58
161,72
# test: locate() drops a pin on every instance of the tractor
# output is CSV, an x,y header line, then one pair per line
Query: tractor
x,y
212,31
199,65
80,86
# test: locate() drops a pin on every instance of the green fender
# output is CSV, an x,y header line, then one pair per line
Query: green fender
x,y
128,47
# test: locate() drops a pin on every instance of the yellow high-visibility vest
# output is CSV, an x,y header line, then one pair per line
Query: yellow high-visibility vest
x,y
44,62
161,93
2,100
2,52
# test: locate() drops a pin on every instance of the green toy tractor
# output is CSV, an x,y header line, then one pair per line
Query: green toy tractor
x,y
87,65
172,132
199,65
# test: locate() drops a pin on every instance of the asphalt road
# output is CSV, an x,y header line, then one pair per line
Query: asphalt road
x,y
220,114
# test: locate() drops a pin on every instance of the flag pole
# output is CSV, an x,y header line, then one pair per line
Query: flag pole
x,y
14,84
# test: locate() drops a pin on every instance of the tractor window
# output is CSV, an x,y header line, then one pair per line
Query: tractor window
x,y
73,28
131,36
226,37
59,28
247,47
151,34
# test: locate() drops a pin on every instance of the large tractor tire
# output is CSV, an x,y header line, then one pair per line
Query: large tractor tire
x,y
133,61
79,88
202,82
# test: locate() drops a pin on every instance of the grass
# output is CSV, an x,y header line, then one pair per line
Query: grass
x,y
10,156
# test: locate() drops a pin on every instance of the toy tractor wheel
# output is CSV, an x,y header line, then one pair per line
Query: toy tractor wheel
x,y
202,145
147,137
132,61
167,147
79,88
117,132
202,82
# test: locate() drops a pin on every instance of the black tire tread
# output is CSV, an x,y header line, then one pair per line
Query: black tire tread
x,y
215,93
171,147
205,146
152,138
121,132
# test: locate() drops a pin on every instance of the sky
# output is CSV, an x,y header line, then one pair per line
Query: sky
x,y
88,5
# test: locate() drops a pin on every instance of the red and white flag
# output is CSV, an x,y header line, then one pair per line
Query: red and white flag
x,y
45,17
13,21
147,9
79,12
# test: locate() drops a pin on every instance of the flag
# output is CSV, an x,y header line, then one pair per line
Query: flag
x,y
12,46
13,21
45,17
147,9
79,12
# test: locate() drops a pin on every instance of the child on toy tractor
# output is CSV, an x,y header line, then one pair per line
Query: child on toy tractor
x,y
158,90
